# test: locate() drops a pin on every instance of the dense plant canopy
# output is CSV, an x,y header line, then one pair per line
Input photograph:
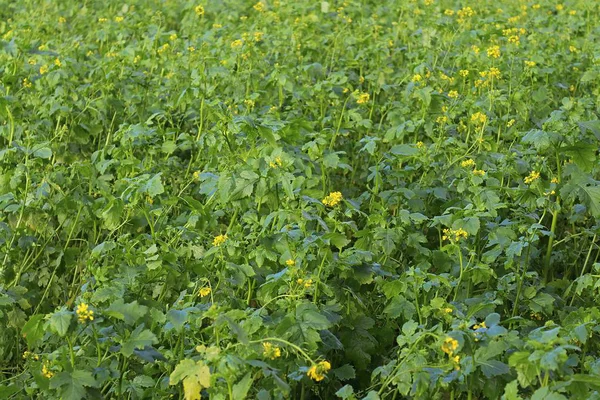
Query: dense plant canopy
x,y
369,199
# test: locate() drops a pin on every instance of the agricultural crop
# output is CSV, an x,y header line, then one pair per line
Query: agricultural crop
x,y
279,199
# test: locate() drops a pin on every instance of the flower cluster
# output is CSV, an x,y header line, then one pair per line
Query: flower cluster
x,y
277,162
454,235
533,176
363,98
271,351
333,199
46,372
205,291
449,346
219,240
479,118
493,51
84,313
317,371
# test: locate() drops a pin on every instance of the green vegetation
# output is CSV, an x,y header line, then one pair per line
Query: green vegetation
x,y
370,199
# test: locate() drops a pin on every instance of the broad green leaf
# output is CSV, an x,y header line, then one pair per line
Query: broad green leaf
x,y
33,330
59,321
195,377
129,312
138,339
72,385
404,150
240,389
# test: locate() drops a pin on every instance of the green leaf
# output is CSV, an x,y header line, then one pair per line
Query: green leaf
x,y
177,318
309,316
544,393
345,372
73,384
154,186
43,152
541,140
591,198
345,392
129,313
493,368
139,339
59,321
240,389
583,154
511,391
337,239
33,330
195,377
404,150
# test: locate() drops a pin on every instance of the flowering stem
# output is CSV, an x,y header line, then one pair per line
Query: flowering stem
x,y
460,275
283,341
339,125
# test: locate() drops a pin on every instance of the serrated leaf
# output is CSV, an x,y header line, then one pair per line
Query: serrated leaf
x,y
59,321
33,330
404,150
139,339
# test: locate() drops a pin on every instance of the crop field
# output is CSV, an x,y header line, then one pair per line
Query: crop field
x,y
299,199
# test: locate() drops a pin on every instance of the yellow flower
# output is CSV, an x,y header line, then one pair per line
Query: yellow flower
x,y
333,199
449,12
44,69
205,291
57,62
219,240
173,37
260,6
573,49
420,145
493,51
479,326
475,49
26,83
290,263
554,180
449,346
217,26
46,372
478,172
533,176
163,48
271,351
456,361
317,371
277,162
479,118
308,283
454,235
199,11
453,94
84,313
102,20
467,163
119,19
236,44
417,78
442,119
559,7
62,20
447,310
463,72
363,98
258,36
514,39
